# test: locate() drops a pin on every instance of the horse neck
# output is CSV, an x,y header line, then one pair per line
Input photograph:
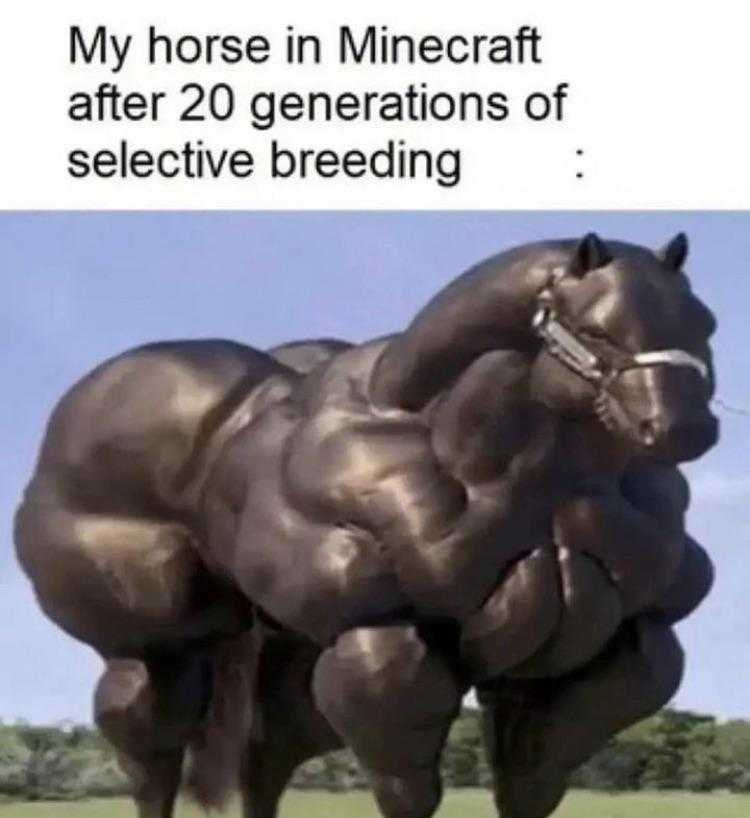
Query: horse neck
x,y
489,307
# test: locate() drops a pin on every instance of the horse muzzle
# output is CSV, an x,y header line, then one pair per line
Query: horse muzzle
x,y
667,413
677,440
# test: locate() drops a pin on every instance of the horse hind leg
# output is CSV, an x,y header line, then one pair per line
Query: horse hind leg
x,y
267,769
265,773
149,712
287,727
124,585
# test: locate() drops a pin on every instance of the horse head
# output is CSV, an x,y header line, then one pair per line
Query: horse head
x,y
623,335
611,330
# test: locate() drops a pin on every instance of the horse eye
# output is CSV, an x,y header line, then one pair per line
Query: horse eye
x,y
595,332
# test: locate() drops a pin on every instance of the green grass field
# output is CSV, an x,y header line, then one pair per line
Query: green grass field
x,y
457,804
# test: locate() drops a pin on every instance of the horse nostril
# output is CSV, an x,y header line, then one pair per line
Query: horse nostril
x,y
647,431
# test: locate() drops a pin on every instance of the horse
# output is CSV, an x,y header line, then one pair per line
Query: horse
x,y
280,552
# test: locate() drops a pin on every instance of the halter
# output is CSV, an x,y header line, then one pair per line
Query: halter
x,y
563,345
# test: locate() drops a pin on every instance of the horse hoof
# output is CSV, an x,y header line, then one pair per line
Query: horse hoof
x,y
530,796
417,796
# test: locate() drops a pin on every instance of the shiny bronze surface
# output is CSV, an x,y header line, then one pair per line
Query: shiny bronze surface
x,y
277,552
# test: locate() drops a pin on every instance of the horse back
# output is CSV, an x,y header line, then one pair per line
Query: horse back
x,y
130,437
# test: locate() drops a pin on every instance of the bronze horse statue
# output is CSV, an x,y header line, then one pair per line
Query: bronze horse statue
x,y
280,552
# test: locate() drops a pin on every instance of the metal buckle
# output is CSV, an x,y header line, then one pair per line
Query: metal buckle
x,y
564,345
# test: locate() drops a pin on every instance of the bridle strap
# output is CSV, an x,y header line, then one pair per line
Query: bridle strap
x,y
671,357
570,350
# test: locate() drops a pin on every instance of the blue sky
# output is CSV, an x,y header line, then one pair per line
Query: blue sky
x,y
76,288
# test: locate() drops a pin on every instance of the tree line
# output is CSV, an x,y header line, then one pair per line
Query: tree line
x,y
675,749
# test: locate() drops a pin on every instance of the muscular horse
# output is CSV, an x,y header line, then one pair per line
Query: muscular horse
x,y
330,543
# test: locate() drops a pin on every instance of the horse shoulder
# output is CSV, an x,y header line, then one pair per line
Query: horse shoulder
x,y
486,419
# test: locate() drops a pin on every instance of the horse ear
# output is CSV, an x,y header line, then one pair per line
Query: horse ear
x,y
590,254
673,255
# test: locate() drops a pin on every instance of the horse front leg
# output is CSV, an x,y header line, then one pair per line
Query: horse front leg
x,y
392,699
537,732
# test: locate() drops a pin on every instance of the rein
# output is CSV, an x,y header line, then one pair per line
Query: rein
x,y
571,351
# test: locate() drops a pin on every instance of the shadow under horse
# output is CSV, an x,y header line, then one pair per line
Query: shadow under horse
x,y
280,552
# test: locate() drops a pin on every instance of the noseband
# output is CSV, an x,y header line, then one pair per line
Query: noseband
x,y
571,351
